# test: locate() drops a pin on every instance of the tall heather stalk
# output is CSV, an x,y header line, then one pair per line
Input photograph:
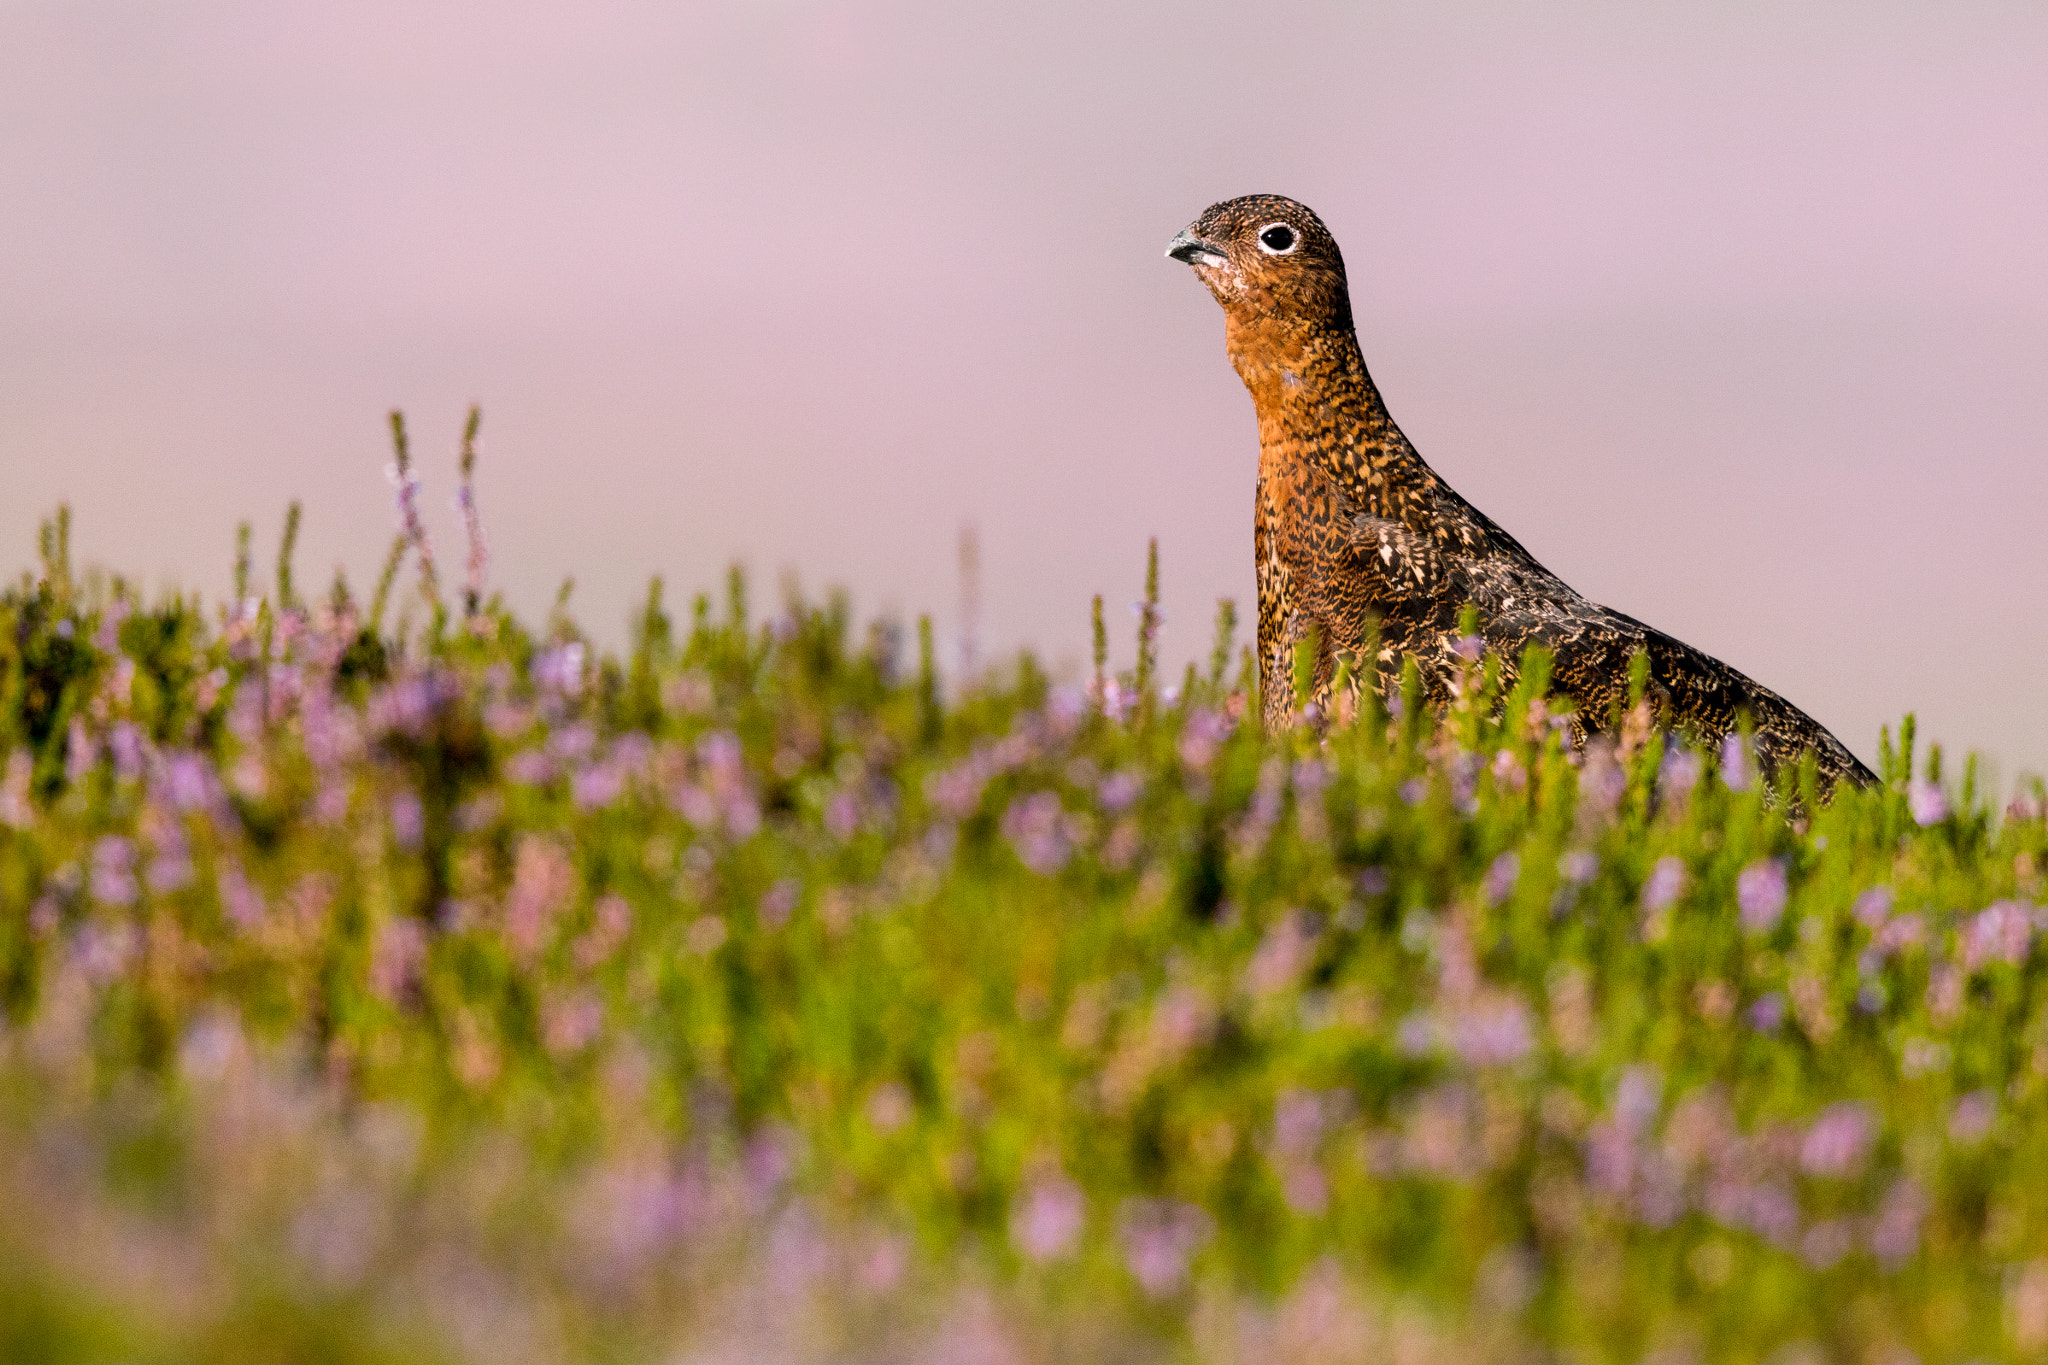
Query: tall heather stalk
x,y
1148,623
415,531
472,521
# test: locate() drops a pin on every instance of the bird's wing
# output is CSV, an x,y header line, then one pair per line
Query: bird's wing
x,y
1407,559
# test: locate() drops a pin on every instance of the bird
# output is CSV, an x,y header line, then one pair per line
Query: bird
x,y
1361,547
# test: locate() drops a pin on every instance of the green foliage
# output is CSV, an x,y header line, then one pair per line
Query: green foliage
x,y
363,988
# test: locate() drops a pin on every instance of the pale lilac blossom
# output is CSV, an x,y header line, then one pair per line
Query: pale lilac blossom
x,y
1665,884
1679,773
1494,1031
1873,907
2001,932
1970,1120
1037,827
1927,802
113,871
1160,1237
1047,1218
1737,770
1120,790
1767,1013
1760,894
408,819
1500,878
1839,1140
1895,1233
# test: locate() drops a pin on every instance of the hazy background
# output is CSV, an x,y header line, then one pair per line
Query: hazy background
x,y
1736,316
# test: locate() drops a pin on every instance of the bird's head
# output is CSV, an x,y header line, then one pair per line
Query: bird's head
x,y
1267,258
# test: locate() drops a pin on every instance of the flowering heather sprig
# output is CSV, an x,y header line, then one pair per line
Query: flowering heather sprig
x,y
472,519
550,1002
1760,892
1927,802
411,527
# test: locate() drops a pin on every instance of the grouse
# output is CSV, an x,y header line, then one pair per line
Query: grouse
x,y
1357,539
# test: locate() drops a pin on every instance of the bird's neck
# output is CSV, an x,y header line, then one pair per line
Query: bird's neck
x,y
1317,406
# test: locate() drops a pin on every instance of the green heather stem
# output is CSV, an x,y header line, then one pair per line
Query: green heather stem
x,y
1148,624
242,536
1101,685
286,597
1226,639
385,578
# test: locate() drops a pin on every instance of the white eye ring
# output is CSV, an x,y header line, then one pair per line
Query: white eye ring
x,y
1293,239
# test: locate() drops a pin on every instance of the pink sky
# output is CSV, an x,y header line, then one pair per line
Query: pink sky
x,y
1737,318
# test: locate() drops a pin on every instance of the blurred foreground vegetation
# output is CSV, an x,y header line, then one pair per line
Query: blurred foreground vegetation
x,y
447,992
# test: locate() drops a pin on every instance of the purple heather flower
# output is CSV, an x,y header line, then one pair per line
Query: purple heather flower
x,y
125,742
1895,1233
103,951
1493,1032
530,768
213,1044
1468,647
396,955
956,791
1200,738
1120,789
1417,1035
1578,866
1679,773
1047,1218
1927,802
778,901
1305,1188
1873,907
1826,1243
242,903
1839,1140
1773,1214
81,751
1065,706
1665,884
1603,780
1760,894
1036,826
1971,1118
1659,1196
1610,1159
1500,878
560,670
113,871
1767,1013
1160,1237
408,820
573,741
1414,791
2001,932
1298,1123
1637,1100
1736,770
1282,956
842,814
572,1024
596,786
1904,931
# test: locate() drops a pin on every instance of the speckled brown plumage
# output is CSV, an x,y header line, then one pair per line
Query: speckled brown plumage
x,y
1353,531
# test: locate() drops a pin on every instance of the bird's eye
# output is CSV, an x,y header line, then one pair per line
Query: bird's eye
x,y
1276,239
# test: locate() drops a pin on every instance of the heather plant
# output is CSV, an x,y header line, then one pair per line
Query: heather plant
x,y
443,989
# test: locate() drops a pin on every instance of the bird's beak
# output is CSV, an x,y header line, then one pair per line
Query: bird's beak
x,y
1192,249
